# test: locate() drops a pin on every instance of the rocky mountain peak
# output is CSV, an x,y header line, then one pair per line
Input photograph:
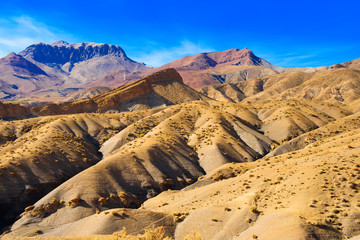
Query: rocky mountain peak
x,y
238,57
10,58
20,64
60,43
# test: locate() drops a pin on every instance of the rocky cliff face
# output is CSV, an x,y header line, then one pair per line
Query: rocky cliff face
x,y
8,110
60,53
80,62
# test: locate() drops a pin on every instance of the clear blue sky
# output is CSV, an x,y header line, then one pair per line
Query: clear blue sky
x,y
286,33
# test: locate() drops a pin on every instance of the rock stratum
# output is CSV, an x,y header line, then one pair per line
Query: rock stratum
x,y
9,110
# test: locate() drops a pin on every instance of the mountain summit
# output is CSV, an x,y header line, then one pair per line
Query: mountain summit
x,y
66,56
59,43
232,56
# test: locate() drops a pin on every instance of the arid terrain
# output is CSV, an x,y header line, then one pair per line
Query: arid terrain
x,y
253,152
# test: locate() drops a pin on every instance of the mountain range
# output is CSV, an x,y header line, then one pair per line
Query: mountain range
x,y
61,71
53,72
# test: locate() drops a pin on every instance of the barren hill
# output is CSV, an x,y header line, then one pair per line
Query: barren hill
x,y
40,153
340,85
142,153
354,64
308,194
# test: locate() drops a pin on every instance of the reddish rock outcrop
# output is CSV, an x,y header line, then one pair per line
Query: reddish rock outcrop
x,y
13,110
79,106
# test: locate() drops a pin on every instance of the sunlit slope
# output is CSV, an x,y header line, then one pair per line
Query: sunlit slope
x,y
144,153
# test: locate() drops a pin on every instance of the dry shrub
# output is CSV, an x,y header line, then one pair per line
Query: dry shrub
x,y
150,234
154,234
123,235
193,236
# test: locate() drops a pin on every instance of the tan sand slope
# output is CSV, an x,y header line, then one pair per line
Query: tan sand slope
x,y
311,193
161,149
38,154
308,194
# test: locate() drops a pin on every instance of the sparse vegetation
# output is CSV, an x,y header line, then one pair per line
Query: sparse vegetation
x,y
182,144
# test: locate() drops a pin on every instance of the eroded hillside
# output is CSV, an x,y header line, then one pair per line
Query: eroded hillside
x,y
338,85
93,163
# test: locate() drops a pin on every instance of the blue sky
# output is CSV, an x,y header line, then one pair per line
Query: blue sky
x,y
286,33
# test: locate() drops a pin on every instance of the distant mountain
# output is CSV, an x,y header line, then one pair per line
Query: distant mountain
x,y
55,72
49,69
81,62
233,56
20,65
198,70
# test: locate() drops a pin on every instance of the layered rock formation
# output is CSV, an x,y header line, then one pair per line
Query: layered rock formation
x,y
162,88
